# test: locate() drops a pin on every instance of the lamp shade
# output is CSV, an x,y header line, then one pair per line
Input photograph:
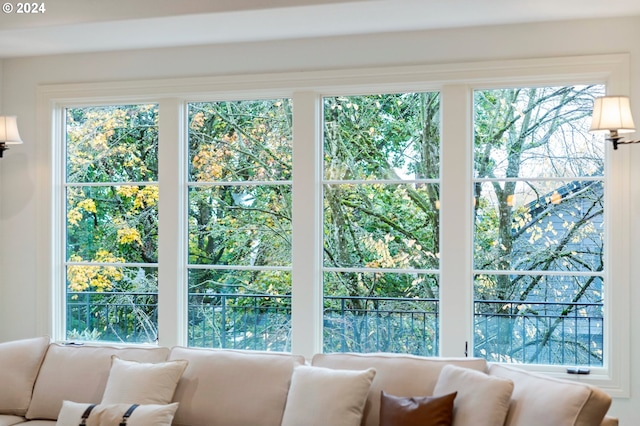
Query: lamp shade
x,y
9,130
612,113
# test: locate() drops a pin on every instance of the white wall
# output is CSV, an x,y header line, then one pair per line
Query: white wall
x,y
19,265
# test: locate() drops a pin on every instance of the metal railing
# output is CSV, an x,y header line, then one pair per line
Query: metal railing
x,y
507,331
381,324
538,332
112,316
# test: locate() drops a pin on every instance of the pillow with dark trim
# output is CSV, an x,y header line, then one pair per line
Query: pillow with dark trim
x,y
73,414
416,410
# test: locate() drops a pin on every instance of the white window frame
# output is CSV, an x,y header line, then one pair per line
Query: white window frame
x,y
455,82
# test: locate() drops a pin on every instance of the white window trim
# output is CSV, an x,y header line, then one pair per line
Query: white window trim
x,y
456,83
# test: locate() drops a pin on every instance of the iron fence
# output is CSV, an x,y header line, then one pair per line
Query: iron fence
x,y
538,332
506,331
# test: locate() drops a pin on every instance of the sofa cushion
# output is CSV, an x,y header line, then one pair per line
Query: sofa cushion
x,y
563,402
324,396
8,420
397,374
482,400
416,411
79,373
233,387
135,382
111,414
20,361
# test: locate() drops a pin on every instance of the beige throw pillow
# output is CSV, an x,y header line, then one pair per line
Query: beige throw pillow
x,y
111,414
322,396
19,364
134,382
482,400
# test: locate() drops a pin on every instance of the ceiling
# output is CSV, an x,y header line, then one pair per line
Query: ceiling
x,y
69,26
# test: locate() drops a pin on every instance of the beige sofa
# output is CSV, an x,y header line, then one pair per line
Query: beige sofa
x,y
243,388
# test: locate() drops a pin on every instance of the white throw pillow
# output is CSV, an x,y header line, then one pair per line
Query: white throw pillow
x,y
134,382
323,396
19,364
111,414
482,400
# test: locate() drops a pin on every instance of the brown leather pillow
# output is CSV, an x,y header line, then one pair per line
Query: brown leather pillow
x,y
416,410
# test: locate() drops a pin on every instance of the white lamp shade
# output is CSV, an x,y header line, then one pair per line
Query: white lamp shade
x,y
612,113
9,130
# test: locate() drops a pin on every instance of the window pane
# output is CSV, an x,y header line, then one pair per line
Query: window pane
x,y
536,132
240,141
552,226
110,303
538,216
112,143
403,321
240,225
239,202
386,225
394,136
121,220
240,309
111,219
560,321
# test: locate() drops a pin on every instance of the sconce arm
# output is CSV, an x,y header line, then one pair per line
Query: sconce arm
x,y
3,148
616,139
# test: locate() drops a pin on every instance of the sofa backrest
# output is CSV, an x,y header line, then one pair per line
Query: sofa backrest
x,y
399,375
233,387
563,402
20,361
79,374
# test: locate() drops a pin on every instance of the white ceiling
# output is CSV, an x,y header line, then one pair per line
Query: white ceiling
x,y
69,26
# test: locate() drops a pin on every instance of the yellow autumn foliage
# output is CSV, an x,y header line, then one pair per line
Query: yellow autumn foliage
x,y
129,235
144,197
94,277
74,215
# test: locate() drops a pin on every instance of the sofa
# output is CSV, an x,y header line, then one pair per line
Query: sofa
x,y
44,383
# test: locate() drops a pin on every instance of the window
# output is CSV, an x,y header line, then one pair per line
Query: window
x,y
539,227
239,205
415,210
111,224
381,223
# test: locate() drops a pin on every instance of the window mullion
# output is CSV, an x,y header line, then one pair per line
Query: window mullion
x,y
306,316
456,306
171,247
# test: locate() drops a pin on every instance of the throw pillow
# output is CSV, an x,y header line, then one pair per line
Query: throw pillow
x,y
111,414
416,410
322,396
19,364
134,382
482,400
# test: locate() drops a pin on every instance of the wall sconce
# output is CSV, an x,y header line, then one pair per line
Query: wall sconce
x,y
613,113
8,132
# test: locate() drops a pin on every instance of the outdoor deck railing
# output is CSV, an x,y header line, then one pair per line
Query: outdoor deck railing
x,y
513,331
